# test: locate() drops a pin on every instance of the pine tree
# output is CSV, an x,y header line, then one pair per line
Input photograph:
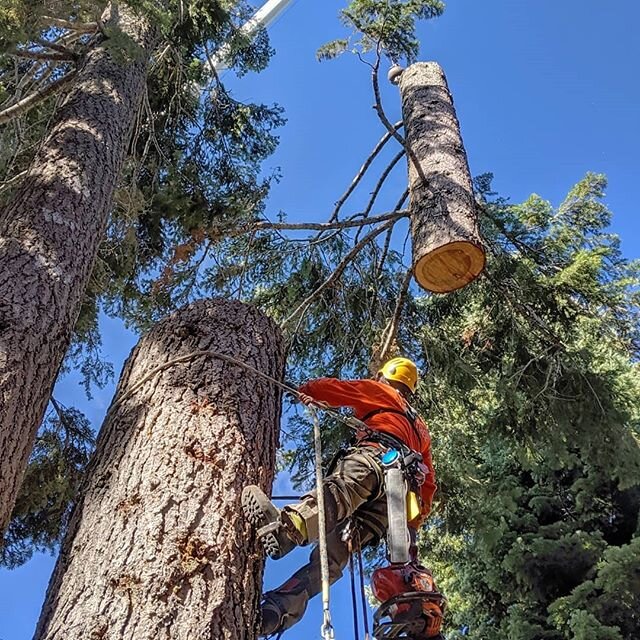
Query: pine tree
x,y
188,219
156,546
121,90
533,404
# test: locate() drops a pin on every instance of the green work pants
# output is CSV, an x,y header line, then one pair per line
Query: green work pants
x,y
355,489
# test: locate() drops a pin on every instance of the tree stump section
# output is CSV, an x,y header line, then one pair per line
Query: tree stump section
x,y
447,249
157,548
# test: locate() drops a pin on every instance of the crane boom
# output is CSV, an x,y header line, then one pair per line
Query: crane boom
x,y
261,19
264,16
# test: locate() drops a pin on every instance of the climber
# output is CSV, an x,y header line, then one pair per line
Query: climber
x,y
353,490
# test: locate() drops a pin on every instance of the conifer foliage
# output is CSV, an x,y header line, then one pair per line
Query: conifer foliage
x,y
534,407
109,119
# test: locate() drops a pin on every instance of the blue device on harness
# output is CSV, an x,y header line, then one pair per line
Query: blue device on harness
x,y
389,457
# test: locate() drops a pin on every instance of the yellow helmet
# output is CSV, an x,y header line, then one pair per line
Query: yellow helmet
x,y
401,370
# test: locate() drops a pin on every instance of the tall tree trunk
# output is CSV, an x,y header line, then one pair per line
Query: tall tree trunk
x,y
447,249
156,547
50,233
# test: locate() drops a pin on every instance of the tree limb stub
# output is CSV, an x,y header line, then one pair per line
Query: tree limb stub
x,y
22,106
447,249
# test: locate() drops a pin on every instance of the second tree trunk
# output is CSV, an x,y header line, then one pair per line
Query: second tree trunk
x,y
157,548
50,233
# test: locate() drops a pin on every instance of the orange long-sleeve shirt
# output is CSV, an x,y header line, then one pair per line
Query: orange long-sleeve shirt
x,y
364,396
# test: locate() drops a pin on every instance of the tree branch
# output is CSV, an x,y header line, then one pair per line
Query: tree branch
x,y
363,169
355,221
385,121
57,47
380,184
391,330
7,183
338,271
80,27
380,110
42,55
22,106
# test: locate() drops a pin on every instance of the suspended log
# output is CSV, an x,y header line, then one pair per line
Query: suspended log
x,y
447,248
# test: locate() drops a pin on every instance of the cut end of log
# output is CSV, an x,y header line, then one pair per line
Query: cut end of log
x,y
450,267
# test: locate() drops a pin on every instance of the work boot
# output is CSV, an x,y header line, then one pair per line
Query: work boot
x,y
265,517
271,622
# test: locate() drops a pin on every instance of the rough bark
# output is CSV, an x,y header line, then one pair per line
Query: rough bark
x,y
49,237
157,547
447,249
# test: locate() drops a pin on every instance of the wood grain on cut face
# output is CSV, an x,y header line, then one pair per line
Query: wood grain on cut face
x,y
447,249
157,548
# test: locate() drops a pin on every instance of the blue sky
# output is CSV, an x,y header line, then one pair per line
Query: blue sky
x,y
544,91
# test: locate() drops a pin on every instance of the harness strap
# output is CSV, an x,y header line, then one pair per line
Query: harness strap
x,y
410,415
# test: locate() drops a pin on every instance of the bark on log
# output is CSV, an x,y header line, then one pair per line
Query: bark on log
x,y
447,249
157,548
49,237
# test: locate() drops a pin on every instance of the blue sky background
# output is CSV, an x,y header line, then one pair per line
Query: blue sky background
x,y
545,91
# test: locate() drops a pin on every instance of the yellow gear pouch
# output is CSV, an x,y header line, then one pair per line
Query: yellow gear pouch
x,y
413,506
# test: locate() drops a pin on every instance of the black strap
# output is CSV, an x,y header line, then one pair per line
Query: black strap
x,y
410,415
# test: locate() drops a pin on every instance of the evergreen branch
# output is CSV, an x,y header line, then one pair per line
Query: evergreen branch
x,y
363,169
80,27
355,221
338,271
30,101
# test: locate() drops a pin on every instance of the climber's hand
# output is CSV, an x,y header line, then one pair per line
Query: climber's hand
x,y
305,399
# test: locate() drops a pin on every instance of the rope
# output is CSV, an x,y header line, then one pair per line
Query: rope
x,y
349,421
354,600
327,628
363,595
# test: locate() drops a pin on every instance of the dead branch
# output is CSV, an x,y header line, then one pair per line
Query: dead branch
x,y
391,330
385,253
80,27
43,55
7,183
28,102
363,169
379,108
56,46
385,121
376,190
355,221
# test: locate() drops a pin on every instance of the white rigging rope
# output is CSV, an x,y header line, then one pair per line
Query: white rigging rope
x,y
327,628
